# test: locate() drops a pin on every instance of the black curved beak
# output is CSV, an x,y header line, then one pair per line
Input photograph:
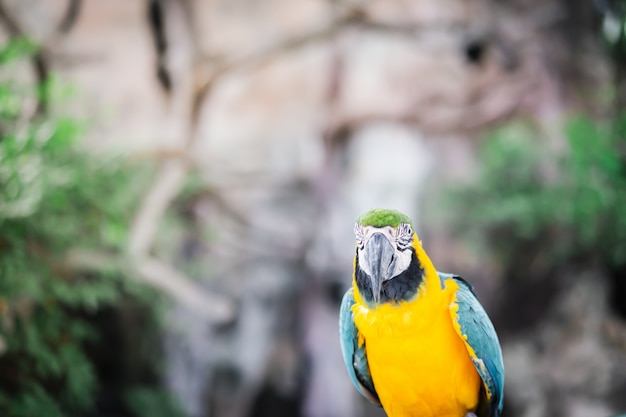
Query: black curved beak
x,y
379,253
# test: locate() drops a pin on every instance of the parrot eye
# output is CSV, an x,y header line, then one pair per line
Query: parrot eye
x,y
358,232
405,236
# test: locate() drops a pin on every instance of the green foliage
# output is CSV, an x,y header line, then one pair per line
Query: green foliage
x,y
570,204
55,199
15,50
145,401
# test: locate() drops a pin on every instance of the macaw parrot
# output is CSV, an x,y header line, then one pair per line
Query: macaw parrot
x,y
416,341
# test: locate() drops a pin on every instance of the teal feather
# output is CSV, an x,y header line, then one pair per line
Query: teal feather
x,y
481,336
354,355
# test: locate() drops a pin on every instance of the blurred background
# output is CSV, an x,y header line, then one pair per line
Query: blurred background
x,y
179,181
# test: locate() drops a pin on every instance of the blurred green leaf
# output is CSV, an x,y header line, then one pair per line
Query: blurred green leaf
x,y
570,203
16,49
55,198
145,401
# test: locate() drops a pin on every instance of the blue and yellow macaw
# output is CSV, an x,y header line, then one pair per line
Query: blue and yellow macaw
x,y
416,341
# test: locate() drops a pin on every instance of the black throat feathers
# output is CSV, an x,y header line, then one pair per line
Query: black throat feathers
x,y
398,288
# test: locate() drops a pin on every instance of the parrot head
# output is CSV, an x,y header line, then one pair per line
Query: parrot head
x,y
386,266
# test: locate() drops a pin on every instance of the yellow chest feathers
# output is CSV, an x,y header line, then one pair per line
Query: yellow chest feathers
x,y
419,364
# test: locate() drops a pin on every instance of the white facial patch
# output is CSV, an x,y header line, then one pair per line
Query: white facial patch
x,y
402,262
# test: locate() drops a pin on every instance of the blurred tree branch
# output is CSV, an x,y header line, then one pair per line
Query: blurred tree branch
x,y
165,187
346,17
39,61
71,15
160,276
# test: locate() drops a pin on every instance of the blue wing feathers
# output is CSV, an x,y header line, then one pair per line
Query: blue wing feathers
x,y
480,334
354,356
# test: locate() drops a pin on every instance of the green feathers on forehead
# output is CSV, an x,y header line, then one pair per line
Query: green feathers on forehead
x,y
383,217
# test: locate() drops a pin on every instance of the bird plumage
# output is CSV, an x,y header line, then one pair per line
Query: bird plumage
x,y
416,341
